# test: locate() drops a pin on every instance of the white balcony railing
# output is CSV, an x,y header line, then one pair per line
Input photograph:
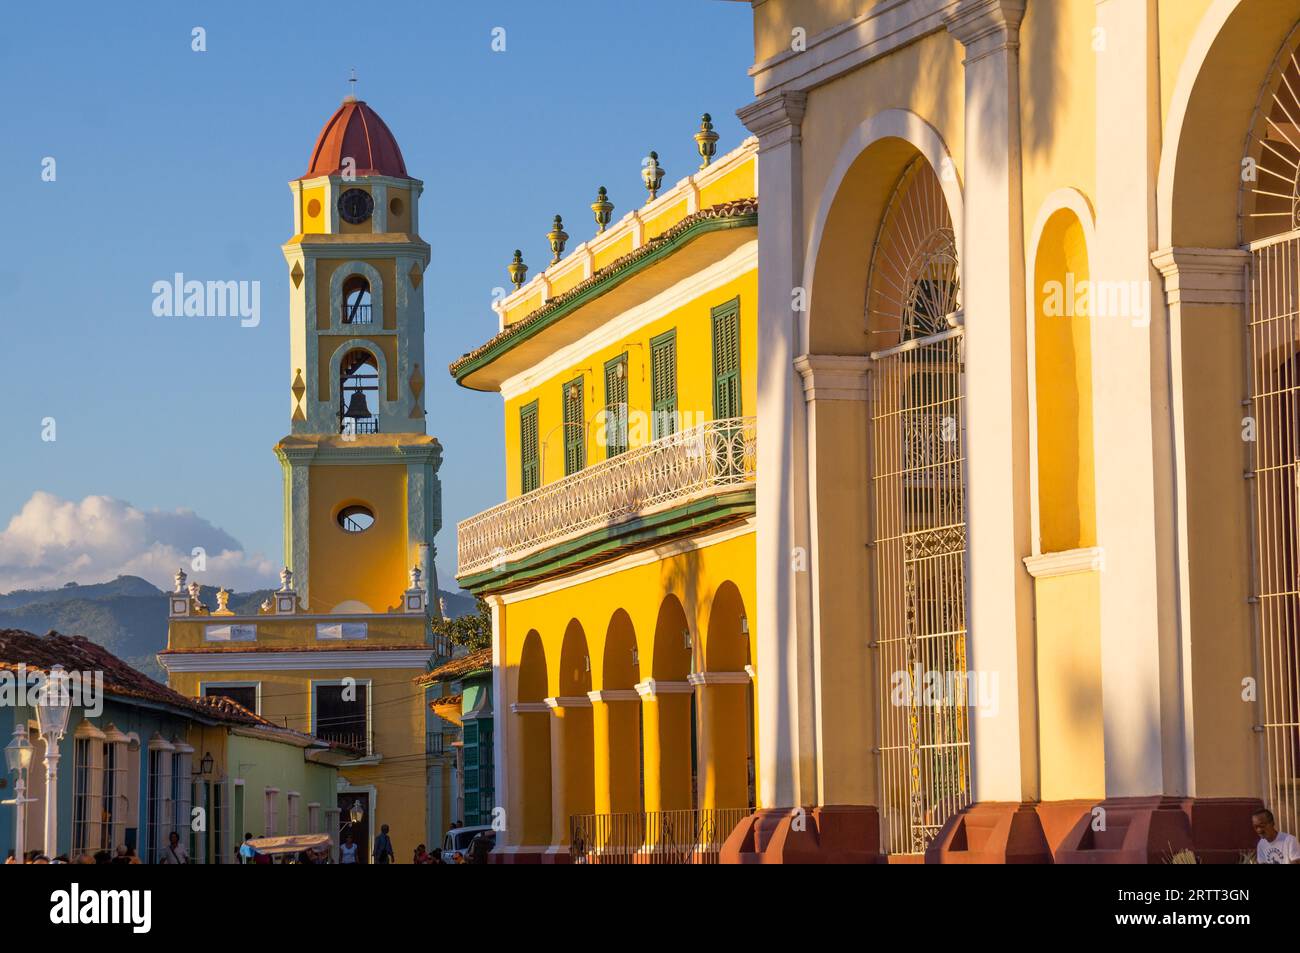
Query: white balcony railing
x,y
673,470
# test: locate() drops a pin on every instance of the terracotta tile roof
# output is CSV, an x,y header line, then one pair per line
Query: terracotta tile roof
x,y
446,700
735,209
478,659
77,653
227,709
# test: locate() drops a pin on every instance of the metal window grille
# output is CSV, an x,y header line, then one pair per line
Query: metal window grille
x,y
87,797
1275,404
918,469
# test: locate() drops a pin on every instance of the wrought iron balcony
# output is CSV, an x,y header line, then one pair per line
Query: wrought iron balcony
x,y
708,459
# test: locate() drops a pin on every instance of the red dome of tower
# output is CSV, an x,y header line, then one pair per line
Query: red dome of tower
x,y
355,130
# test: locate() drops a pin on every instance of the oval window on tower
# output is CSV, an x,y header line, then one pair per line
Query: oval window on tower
x,y
356,518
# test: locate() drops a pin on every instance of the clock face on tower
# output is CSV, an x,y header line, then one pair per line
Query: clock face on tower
x,y
355,206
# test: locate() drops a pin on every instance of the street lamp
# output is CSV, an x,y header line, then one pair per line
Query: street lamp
x,y
358,813
52,710
18,758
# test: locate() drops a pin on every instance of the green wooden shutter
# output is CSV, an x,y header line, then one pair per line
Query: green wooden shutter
x,y
726,360
529,477
575,451
663,383
615,406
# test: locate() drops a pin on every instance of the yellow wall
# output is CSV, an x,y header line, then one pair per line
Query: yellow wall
x,y
547,641
1070,725
370,566
694,381
397,726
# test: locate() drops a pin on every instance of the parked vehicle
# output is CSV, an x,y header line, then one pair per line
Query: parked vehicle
x,y
456,843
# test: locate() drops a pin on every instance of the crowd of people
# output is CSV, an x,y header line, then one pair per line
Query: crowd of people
x,y
349,853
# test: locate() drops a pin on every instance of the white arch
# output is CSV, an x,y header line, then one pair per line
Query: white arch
x,y
1074,201
1198,51
341,274
888,124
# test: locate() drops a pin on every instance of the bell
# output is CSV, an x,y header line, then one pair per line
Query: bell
x,y
357,407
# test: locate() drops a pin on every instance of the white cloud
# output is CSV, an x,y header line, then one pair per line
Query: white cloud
x,y
52,541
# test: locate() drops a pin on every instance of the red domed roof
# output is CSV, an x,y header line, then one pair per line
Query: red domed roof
x,y
356,130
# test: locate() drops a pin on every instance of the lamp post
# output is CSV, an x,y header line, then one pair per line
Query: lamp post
x,y
18,758
52,712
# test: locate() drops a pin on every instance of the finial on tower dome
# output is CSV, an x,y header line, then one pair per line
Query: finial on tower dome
x,y
352,87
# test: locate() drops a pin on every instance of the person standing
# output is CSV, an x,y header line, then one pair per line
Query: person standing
x,y
347,851
174,853
384,847
1274,847
246,850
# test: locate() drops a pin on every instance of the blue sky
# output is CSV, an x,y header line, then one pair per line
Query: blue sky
x,y
170,160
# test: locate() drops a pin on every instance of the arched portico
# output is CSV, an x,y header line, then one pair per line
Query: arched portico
x,y
572,767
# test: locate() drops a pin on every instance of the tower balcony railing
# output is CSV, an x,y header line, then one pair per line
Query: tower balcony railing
x,y
704,460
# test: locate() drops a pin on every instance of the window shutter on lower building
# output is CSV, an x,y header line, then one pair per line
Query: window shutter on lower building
x,y
663,383
616,406
726,360
529,474
575,451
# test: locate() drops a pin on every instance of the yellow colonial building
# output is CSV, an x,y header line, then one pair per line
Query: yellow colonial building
x,y
1001,534
334,651
1030,415
620,569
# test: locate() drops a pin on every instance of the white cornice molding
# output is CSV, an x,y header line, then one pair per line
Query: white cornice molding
x,y
1203,275
524,708
557,702
775,119
608,695
886,27
218,662
643,557
741,261
653,688
834,376
985,27
719,678
1049,565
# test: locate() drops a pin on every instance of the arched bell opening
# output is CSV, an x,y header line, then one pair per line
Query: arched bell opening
x,y
358,409
357,300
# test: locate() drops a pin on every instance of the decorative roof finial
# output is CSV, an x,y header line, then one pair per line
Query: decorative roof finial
x,y
352,87
557,236
706,140
652,174
602,208
180,580
286,579
517,269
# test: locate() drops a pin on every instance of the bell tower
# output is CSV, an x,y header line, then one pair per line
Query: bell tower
x,y
362,500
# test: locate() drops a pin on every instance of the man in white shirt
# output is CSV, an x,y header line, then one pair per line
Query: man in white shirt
x,y
1274,847
174,853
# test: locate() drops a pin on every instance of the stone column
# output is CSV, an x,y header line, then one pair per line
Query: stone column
x,y
1142,717
572,790
666,733
723,766
999,593
786,705
616,731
